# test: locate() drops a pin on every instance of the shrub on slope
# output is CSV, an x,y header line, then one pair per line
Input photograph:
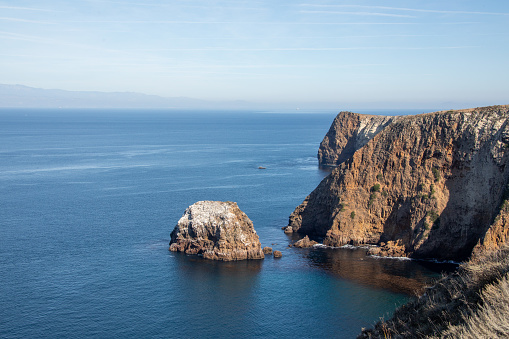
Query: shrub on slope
x,y
470,303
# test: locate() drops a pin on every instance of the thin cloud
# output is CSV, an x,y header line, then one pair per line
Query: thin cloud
x,y
304,49
279,66
314,37
221,49
405,9
361,13
127,3
361,36
26,9
267,23
15,36
234,22
145,4
36,39
29,56
26,21
249,66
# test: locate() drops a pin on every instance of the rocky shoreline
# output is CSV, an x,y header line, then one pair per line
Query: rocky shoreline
x,y
427,187
469,303
408,186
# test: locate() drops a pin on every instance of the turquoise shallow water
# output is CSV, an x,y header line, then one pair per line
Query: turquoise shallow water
x,y
89,198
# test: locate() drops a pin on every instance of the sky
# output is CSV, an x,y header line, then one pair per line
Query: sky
x,y
365,53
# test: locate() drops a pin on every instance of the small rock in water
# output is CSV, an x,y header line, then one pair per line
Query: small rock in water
x,y
389,249
304,242
278,254
267,250
288,229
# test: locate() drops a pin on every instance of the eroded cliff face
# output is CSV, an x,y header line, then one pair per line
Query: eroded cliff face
x,y
497,235
430,185
348,133
217,230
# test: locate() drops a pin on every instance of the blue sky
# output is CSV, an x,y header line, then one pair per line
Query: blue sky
x,y
387,54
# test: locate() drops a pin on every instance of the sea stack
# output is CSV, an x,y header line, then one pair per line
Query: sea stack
x,y
217,230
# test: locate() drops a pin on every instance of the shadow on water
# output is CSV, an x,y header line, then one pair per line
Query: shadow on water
x,y
196,266
226,277
219,295
395,275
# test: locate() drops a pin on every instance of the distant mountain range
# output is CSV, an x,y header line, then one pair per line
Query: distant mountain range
x,y
30,97
20,96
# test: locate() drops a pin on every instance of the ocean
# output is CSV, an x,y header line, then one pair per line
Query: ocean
x,y
90,197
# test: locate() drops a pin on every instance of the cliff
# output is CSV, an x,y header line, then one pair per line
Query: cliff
x,y
498,234
217,230
348,133
424,186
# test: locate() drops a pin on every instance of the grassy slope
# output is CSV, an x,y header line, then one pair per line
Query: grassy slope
x,y
470,303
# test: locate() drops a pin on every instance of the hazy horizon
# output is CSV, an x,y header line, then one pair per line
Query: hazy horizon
x,y
336,54
20,96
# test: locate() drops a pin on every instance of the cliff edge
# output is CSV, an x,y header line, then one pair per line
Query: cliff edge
x,y
424,186
348,133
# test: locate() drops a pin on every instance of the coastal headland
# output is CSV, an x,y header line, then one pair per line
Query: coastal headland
x,y
429,186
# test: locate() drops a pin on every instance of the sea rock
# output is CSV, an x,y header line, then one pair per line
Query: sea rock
x,y
432,183
217,230
288,229
304,242
267,250
389,249
278,254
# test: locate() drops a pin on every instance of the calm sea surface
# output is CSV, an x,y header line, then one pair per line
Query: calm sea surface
x,y
89,198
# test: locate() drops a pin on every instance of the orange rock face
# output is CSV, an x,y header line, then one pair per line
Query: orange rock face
x,y
498,233
217,230
431,183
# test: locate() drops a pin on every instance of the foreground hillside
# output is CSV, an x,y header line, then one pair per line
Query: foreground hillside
x,y
471,303
423,186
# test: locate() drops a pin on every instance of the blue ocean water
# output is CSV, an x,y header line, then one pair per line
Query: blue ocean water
x,y
89,198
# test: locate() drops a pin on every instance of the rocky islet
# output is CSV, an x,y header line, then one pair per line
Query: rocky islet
x,y
217,230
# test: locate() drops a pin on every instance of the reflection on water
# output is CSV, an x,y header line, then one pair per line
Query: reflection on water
x,y
396,275
217,277
196,266
213,294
